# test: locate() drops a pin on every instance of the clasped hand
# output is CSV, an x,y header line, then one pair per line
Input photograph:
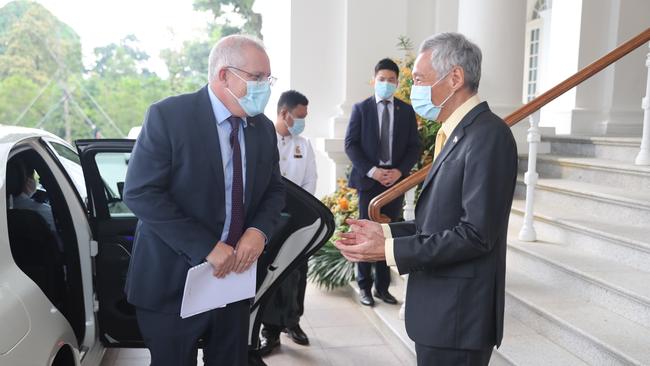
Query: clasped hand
x,y
386,177
363,243
225,259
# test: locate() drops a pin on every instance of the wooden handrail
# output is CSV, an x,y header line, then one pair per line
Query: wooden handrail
x,y
374,209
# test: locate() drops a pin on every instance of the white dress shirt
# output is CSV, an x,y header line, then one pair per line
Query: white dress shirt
x,y
380,111
298,162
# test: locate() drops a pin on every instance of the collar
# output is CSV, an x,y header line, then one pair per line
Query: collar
x,y
450,124
221,113
391,99
280,137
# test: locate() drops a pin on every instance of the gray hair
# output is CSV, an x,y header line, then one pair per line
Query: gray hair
x,y
227,52
453,49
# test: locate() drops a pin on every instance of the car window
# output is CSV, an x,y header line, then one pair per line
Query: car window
x,y
112,168
72,165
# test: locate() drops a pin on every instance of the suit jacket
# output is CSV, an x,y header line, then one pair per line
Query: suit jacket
x,y
175,186
362,141
455,249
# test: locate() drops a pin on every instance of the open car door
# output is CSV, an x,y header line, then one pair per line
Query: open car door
x,y
305,226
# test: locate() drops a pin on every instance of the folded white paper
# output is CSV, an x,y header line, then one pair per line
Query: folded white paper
x,y
204,292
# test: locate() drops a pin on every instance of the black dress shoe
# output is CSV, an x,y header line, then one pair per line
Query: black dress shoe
x,y
268,342
365,297
386,297
297,335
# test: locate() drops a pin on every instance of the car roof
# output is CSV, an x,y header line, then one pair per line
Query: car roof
x,y
11,135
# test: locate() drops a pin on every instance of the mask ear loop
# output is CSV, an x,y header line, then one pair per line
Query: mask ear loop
x,y
240,78
286,123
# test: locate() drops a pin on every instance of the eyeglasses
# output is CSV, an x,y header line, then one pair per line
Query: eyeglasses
x,y
256,77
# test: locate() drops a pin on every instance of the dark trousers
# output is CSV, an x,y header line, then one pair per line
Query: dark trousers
x,y
433,356
173,341
287,304
365,269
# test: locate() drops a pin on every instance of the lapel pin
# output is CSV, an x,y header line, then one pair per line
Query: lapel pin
x,y
455,139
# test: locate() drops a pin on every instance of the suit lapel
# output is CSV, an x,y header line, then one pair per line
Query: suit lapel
x,y
454,140
210,137
251,140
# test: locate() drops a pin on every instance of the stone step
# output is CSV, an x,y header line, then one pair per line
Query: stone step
x,y
591,170
613,148
593,333
613,204
387,317
620,242
522,345
619,288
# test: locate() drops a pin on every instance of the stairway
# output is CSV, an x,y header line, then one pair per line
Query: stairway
x,y
580,295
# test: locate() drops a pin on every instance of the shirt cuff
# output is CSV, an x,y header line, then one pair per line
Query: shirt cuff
x,y
388,245
390,254
387,233
371,172
266,239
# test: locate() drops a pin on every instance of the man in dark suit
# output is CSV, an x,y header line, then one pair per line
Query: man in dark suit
x,y
383,144
455,249
204,182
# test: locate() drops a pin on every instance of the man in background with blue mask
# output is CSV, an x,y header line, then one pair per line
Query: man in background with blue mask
x,y
383,144
455,249
298,164
205,184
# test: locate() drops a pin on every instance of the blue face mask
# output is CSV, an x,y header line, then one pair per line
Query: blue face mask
x,y
421,100
384,89
298,126
257,95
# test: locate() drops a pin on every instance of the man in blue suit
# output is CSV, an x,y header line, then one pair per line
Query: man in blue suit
x,y
204,182
383,144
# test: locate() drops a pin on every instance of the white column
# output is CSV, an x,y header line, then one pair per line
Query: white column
x,y
622,114
498,27
370,34
644,155
304,41
582,32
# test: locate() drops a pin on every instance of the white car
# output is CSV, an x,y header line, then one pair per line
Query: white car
x,y
61,292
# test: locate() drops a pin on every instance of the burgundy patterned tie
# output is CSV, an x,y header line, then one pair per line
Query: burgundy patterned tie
x,y
237,208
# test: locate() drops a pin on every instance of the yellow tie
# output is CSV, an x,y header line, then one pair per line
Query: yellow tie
x,y
441,138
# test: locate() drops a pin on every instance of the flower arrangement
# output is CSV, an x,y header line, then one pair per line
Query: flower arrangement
x,y
327,267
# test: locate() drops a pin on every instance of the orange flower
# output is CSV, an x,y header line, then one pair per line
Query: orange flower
x,y
344,204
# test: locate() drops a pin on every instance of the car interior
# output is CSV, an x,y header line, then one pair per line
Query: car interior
x,y
49,257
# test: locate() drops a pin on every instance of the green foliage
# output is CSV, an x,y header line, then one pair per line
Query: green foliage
x,y
43,83
252,21
33,43
327,267
121,59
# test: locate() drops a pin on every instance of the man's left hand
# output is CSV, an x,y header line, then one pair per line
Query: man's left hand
x,y
365,243
393,176
249,248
